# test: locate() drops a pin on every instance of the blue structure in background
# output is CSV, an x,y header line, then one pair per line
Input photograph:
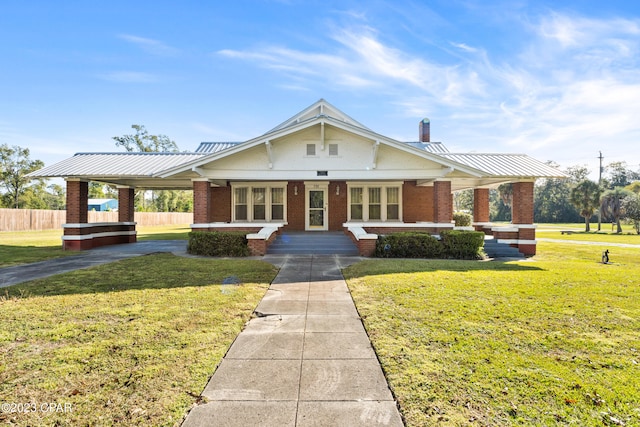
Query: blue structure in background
x,y
103,205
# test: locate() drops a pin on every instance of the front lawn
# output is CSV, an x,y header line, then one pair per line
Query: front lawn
x,y
23,247
128,343
553,341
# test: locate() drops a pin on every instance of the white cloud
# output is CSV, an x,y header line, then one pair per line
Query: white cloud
x,y
154,47
575,86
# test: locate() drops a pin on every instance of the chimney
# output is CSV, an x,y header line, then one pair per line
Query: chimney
x,y
425,131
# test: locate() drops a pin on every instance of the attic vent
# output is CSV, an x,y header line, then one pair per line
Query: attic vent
x,y
311,149
333,149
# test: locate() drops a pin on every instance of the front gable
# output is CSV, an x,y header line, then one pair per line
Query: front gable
x,y
322,151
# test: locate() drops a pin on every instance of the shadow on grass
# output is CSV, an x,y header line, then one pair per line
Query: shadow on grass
x,y
147,272
392,266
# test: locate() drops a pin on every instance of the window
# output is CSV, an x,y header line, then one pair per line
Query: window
x,y
241,204
277,204
311,149
333,149
356,203
393,203
375,202
263,202
259,204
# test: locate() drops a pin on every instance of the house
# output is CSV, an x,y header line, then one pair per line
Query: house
x,y
102,205
319,170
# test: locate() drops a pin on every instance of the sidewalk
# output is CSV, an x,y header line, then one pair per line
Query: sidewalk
x,y
304,360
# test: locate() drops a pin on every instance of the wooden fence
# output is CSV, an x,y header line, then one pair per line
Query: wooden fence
x,y
40,219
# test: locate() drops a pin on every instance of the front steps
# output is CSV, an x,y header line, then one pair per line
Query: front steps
x,y
494,249
313,243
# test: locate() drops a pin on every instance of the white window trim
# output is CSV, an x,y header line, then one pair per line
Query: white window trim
x,y
383,199
250,186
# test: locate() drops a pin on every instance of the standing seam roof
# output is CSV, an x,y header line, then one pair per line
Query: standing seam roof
x,y
115,164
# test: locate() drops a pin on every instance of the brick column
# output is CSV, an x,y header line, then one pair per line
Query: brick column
x,y
522,213
77,202
202,202
522,205
442,202
126,204
481,205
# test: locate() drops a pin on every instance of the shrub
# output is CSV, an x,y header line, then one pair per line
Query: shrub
x,y
408,245
214,243
462,219
462,244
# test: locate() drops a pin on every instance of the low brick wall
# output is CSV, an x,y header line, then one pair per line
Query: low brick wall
x,y
88,236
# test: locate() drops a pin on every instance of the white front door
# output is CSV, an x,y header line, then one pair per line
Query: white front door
x,y
316,211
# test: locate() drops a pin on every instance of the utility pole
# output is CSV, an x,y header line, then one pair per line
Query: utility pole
x,y
600,184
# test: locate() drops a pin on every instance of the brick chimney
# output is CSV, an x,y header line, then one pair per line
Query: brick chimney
x,y
425,130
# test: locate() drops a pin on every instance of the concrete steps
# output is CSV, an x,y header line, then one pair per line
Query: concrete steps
x,y
494,249
313,243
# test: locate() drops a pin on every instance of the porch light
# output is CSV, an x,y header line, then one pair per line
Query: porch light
x,y
295,190
337,189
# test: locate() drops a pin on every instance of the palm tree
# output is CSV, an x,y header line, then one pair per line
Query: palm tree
x,y
611,205
586,198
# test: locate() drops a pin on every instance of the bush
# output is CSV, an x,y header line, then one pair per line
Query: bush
x,y
462,219
462,244
214,243
408,245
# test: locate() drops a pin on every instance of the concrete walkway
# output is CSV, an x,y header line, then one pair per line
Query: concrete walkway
x,y
304,360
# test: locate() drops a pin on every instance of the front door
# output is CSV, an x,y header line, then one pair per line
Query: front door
x,y
316,212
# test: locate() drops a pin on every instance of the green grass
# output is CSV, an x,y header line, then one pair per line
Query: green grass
x,y
23,247
128,343
549,341
164,232
605,228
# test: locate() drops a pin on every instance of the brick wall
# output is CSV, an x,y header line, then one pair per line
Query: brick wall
x,y
295,206
201,202
442,202
77,202
126,205
522,207
337,205
481,205
221,204
417,202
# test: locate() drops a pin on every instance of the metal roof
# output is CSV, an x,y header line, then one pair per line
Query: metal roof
x,y
505,165
114,164
432,147
214,147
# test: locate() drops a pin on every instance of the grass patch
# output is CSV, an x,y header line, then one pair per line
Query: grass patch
x,y
164,232
23,247
602,237
129,343
554,341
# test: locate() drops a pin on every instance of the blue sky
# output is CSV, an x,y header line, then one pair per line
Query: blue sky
x,y
558,80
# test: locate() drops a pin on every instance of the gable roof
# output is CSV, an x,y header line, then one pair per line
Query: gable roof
x,y
172,170
318,109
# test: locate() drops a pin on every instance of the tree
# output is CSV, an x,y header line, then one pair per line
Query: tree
x,y
15,164
586,198
618,175
143,142
611,205
634,187
163,200
551,195
631,207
